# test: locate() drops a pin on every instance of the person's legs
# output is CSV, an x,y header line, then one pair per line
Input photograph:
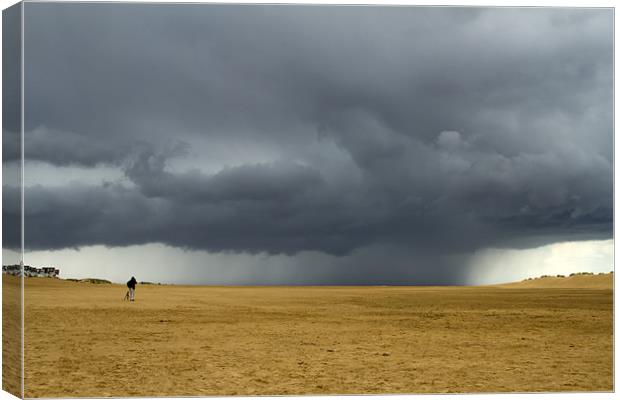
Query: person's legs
x,y
131,293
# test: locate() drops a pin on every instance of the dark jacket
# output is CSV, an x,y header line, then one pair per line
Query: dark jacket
x,y
132,283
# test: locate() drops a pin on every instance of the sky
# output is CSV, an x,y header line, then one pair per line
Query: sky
x,y
275,144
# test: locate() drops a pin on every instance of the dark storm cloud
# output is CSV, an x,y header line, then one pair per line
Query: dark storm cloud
x,y
11,124
520,78
285,207
274,183
440,129
51,146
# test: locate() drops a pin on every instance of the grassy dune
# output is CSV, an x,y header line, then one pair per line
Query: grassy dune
x,y
83,340
604,281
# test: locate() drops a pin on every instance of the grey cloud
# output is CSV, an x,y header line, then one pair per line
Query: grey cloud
x,y
11,217
260,182
67,148
506,74
441,130
11,128
286,208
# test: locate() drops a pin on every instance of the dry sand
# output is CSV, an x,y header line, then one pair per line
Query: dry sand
x,y
82,340
11,335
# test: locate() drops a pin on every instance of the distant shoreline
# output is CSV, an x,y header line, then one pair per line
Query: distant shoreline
x,y
578,279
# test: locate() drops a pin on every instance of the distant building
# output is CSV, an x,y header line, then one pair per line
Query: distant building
x,y
31,272
50,272
14,270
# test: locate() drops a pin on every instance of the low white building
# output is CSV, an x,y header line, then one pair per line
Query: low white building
x,y
32,272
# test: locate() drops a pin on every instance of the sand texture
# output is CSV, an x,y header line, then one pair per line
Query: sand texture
x,y
11,335
81,339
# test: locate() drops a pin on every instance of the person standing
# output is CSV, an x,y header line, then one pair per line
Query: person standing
x,y
131,284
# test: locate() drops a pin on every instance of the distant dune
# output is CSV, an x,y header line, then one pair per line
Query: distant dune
x,y
579,281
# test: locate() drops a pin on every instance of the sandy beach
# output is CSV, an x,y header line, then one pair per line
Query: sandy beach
x,y
11,335
83,340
